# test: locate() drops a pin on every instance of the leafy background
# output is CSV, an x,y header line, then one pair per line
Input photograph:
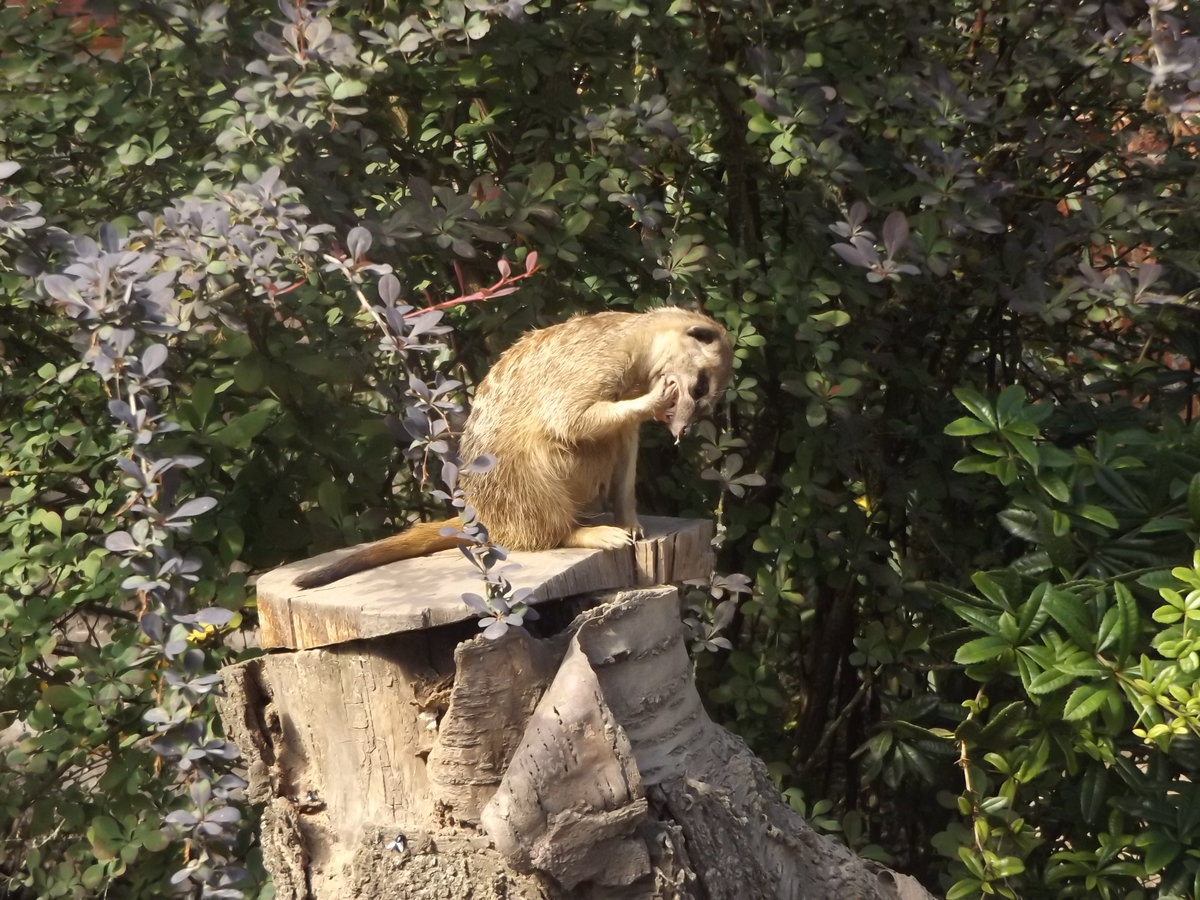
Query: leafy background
x,y
956,245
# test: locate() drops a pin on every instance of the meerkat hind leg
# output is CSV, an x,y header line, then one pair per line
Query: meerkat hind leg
x,y
624,495
599,537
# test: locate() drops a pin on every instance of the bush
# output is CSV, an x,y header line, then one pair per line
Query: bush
x,y
882,203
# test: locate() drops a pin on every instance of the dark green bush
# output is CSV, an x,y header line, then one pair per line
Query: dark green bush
x,y
970,651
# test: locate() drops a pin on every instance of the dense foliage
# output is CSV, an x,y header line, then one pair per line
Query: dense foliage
x,y
957,245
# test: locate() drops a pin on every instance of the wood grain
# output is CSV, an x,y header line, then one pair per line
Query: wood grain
x,y
415,594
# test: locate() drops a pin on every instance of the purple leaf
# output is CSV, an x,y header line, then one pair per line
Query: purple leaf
x,y
153,357
851,254
64,290
475,602
724,613
389,289
495,630
195,507
224,814
120,542
736,583
110,238
480,464
358,242
1147,274
215,616
895,233
153,627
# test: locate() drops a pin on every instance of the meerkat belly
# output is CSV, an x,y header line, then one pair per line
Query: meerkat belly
x,y
535,494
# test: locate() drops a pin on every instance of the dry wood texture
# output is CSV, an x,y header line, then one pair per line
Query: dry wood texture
x,y
434,765
420,593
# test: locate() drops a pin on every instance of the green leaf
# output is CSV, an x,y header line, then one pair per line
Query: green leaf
x,y
1006,472
330,497
1118,488
63,697
1009,404
203,393
1025,447
250,374
971,465
1035,763
93,876
577,222
1193,499
245,428
1049,681
1000,586
834,318
1008,867
1060,523
978,406
981,649
48,519
1110,628
540,178
106,837
1020,522
347,89
1031,615
968,887
967,427
131,154
1160,853
1130,622
1054,486
1067,610
1003,721
1093,791
1084,701
1098,514
155,840
982,621
760,124
1167,524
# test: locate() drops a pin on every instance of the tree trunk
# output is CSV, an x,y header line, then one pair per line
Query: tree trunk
x,y
436,764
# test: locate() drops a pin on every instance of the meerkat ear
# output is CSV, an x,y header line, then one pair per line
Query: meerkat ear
x,y
703,333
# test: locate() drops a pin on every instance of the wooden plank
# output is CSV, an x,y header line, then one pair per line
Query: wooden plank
x,y
414,594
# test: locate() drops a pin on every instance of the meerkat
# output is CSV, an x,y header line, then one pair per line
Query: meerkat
x,y
560,412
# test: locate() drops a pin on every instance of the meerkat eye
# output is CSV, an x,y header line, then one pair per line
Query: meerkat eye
x,y
700,388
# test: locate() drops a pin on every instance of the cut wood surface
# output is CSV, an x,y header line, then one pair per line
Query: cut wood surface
x,y
415,594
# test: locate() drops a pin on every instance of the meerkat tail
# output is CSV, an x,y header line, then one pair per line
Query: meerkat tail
x,y
419,539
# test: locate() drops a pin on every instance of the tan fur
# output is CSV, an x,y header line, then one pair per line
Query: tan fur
x,y
419,539
560,411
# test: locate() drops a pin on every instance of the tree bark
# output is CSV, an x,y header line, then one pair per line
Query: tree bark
x,y
432,765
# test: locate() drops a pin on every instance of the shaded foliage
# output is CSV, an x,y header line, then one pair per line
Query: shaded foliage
x,y
955,245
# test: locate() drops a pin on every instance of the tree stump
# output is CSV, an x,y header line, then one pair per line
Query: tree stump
x,y
398,754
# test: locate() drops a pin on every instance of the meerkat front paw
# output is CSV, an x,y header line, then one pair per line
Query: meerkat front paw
x,y
660,400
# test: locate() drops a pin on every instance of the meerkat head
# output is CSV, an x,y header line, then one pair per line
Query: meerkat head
x,y
693,353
